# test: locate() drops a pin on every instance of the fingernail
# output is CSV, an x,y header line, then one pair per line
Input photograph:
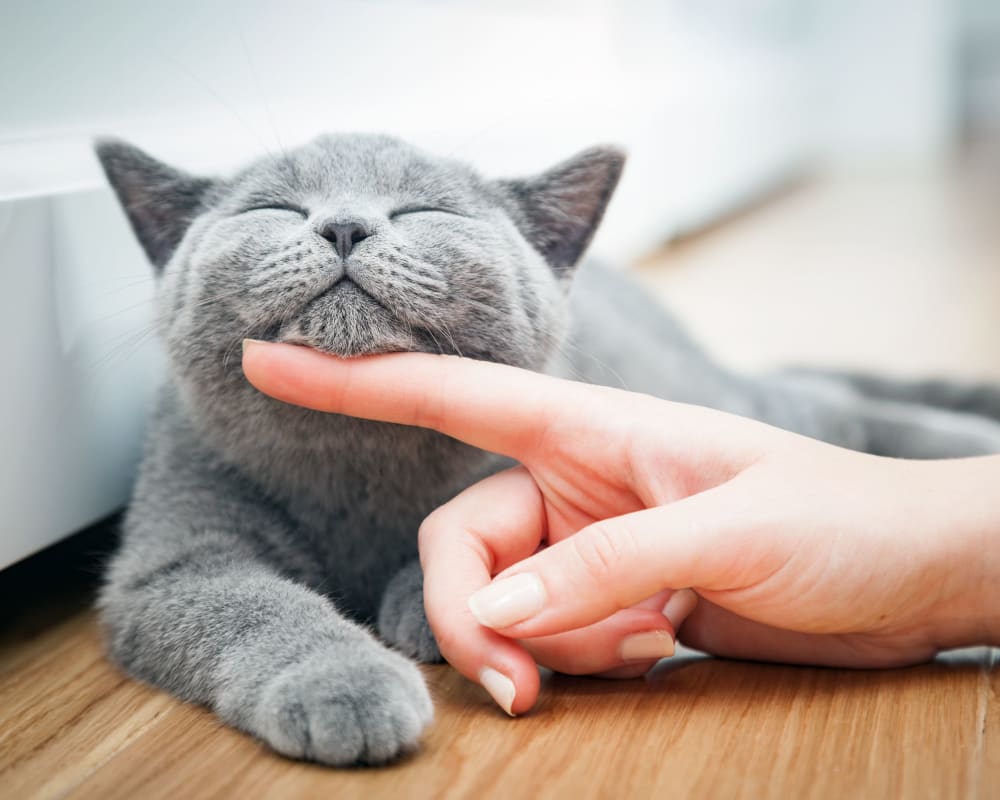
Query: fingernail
x,y
507,601
679,607
647,645
500,687
248,342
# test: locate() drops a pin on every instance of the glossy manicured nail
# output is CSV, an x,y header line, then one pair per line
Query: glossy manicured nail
x,y
507,601
679,606
500,687
646,646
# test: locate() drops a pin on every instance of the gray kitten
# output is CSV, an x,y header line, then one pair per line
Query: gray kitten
x,y
262,538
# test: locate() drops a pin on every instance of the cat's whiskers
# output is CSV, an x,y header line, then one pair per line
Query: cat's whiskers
x,y
281,261
278,319
237,342
127,344
119,340
567,348
443,328
218,97
437,344
415,277
122,342
260,92
122,276
125,282
207,301
123,310
491,310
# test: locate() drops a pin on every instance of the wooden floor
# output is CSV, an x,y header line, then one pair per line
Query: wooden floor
x,y
71,725
893,272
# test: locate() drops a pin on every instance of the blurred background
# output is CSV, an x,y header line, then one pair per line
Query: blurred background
x,y
812,181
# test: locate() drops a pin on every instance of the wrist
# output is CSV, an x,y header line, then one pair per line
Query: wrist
x,y
964,514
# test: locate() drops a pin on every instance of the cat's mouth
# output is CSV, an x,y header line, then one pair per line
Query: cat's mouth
x,y
348,287
348,321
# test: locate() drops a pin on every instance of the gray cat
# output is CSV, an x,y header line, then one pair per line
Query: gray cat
x,y
263,538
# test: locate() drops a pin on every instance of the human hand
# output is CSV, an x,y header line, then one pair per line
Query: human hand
x,y
799,551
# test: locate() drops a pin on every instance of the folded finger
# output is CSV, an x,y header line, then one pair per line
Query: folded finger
x,y
633,637
490,525
616,563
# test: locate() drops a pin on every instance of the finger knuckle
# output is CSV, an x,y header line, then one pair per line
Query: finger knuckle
x,y
429,413
442,522
449,640
426,535
431,409
603,550
430,527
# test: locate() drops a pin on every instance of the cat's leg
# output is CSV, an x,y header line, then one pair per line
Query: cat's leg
x,y
966,396
202,600
401,618
208,621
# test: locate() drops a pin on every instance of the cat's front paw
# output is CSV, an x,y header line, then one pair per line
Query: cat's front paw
x,y
401,618
341,707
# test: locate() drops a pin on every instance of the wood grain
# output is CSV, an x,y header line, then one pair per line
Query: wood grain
x,y
986,771
72,725
64,711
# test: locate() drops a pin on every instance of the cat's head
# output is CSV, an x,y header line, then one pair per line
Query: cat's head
x,y
358,244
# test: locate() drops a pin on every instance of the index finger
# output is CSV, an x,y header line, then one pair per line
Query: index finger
x,y
491,406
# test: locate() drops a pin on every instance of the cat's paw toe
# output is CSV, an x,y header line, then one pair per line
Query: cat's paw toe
x,y
370,709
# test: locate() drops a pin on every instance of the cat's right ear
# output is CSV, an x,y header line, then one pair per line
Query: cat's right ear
x,y
559,210
160,201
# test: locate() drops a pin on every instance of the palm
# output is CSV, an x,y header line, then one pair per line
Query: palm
x,y
788,606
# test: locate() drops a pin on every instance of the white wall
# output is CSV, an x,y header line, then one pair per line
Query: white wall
x,y
79,365
511,86
887,80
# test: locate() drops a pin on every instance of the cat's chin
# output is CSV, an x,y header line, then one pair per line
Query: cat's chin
x,y
352,347
348,350
349,323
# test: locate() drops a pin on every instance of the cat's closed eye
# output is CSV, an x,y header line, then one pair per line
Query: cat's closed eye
x,y
280,207
405,210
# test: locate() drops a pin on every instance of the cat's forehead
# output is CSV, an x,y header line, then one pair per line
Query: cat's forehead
x,y
358,165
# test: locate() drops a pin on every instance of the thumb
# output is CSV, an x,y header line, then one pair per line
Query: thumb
x,y
618,562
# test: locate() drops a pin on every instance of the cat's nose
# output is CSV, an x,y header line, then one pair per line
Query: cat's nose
x,y
344,235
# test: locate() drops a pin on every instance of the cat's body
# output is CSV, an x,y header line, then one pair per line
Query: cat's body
x,y
620,337
260,534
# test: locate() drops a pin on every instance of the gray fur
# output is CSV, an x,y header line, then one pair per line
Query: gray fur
x,y
982,399
263,538
401,618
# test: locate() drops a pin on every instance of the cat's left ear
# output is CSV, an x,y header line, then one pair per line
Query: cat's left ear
x,y
559,210
160,201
